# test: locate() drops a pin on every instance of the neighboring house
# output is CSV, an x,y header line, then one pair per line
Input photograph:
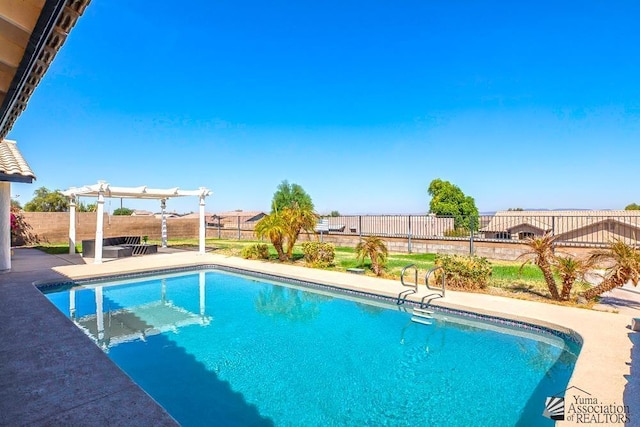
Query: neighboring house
x,y
235,219
583,226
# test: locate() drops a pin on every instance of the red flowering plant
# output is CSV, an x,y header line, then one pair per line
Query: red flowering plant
x,y
21,231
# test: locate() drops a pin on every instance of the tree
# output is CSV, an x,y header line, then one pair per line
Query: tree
x,y
45,200
624,266
91,207
297,220
273,227
541,254
449,200
334,214
16,204
374,248
290,196
570,269
632,207
515,209
123,211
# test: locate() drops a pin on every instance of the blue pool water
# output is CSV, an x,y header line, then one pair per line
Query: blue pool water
x,y
222,349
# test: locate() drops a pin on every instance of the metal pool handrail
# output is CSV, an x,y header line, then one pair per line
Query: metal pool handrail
x,y
415,281
426,279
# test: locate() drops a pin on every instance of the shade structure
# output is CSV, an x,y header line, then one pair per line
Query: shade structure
x,y
103,189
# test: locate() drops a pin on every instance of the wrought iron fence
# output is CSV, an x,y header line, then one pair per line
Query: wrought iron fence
x,y
506,227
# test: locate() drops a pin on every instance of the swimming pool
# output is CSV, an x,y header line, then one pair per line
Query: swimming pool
x,y
211,346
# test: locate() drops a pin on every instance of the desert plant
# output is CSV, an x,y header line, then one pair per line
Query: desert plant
x,y
623,262
256,251
374,248
463,272
273,227
297,219
541,254
318,255
570,269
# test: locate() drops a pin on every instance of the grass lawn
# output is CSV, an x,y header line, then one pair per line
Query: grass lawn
x,y
507,277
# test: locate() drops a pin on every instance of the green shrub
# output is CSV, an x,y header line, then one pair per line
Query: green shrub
x,y
318,255
256,251
463,272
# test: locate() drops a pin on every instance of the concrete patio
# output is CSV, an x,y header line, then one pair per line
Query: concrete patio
x,y
51,373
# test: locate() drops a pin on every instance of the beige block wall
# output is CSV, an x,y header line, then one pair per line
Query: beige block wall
x,y
53,227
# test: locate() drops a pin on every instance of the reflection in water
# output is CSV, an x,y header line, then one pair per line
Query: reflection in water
x,y
288,303
114,326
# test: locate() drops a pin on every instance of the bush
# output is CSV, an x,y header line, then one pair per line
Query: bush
x,y
463,272
318,255
458,232
256,251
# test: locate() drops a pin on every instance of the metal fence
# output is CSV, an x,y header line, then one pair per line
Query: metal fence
x,y
571,230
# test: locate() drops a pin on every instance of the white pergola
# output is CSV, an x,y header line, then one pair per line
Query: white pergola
x,y
103,189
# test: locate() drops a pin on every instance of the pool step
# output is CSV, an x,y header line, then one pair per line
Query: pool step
x,y
423,316
421,320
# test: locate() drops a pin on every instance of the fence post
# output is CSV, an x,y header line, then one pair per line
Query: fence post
x,y
360,226
471,235
239,238
219,231
553,225
409,234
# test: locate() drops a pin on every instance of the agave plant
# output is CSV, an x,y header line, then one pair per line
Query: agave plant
x,y
541,254
273,227
570,269
374,248
624,266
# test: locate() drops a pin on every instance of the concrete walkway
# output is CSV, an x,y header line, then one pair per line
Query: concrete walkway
x,y
57,369
50,372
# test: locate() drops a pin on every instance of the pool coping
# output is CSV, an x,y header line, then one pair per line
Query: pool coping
x,y
603,369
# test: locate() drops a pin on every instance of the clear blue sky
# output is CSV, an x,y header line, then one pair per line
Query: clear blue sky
x,y
520,104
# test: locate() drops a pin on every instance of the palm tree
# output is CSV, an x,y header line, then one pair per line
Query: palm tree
x,y
624,266
570,269
541,254
296,220
374,248
273,227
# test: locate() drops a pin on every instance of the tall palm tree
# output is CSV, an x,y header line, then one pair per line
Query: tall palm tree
x,y
374,248
274,228
624,266
297,219
570,269
541,254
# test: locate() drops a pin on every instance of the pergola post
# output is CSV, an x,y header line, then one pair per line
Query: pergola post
x,y
163,206
99,225
202,229
72,225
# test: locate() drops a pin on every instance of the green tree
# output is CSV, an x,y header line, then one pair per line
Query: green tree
x,y
334,214
123,211
632,207
449,200
16,204
91,207
374,248
45,200
515,209
291,196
